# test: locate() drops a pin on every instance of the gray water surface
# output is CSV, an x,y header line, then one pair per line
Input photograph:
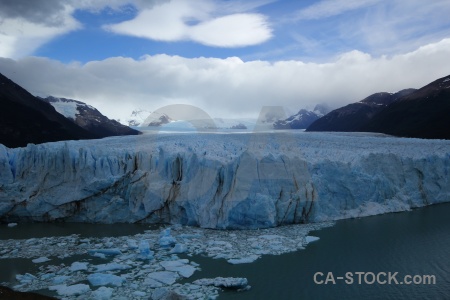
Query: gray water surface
x,y
410,243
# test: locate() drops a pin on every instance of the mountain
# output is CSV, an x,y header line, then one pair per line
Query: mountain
x,y
423,114
25,119
137,117
302,119
156,119
88,117
355,116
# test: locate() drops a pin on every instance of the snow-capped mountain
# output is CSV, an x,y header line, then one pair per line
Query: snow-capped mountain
x,y
136,118
165,120
88,117
303,118
25,119
156,119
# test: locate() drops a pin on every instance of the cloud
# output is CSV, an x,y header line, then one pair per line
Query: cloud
x,y
198,21
27,25
20,37
47,12
328,8
227,87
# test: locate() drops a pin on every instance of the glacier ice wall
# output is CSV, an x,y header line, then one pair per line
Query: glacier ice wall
x,y
222,180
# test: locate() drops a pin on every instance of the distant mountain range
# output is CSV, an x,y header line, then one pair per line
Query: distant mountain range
x,y
303,118
25,119
422,113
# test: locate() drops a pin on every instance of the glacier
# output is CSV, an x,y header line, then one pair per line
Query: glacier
x,y
222,180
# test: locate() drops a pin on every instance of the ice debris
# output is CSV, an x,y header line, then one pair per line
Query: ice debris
x,y
40,260
126,274
71,290
224,282
97,279
102,293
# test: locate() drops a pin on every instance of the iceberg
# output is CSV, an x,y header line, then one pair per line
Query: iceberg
x,y
71,290
111,267
222,181
310,238
40,260
144,250
224,282
243,260
97,279
79,266
166,240
108,252
180,266
164,277
102,293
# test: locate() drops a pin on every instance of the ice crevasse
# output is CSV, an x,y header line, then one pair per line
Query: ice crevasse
x,y
222,180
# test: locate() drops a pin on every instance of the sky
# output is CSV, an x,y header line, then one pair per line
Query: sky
x,y
227,57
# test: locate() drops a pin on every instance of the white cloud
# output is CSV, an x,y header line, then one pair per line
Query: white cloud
x,y
227,87
20,37
27,25
196,21
328,8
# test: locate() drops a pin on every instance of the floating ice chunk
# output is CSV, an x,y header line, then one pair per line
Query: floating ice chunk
x,y
132,244
179,266
190,236
71,290
97,279
109,252
102,293
40,260
99,255
47,276
271,236
26,278
185,271
10,225
152,283
164,277
139,294
310,238
166,240
173,263
111,267
222,244
243,260
60,279
163,294
179,248
144,250
224,282
79,266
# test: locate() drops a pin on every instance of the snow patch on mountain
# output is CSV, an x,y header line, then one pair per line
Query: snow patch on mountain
x,y
67,109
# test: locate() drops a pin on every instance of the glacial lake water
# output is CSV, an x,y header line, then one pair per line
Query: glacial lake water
x,y
410,243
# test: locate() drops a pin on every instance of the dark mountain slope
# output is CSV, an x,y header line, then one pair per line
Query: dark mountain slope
x,y
424,113
24,119
355,116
